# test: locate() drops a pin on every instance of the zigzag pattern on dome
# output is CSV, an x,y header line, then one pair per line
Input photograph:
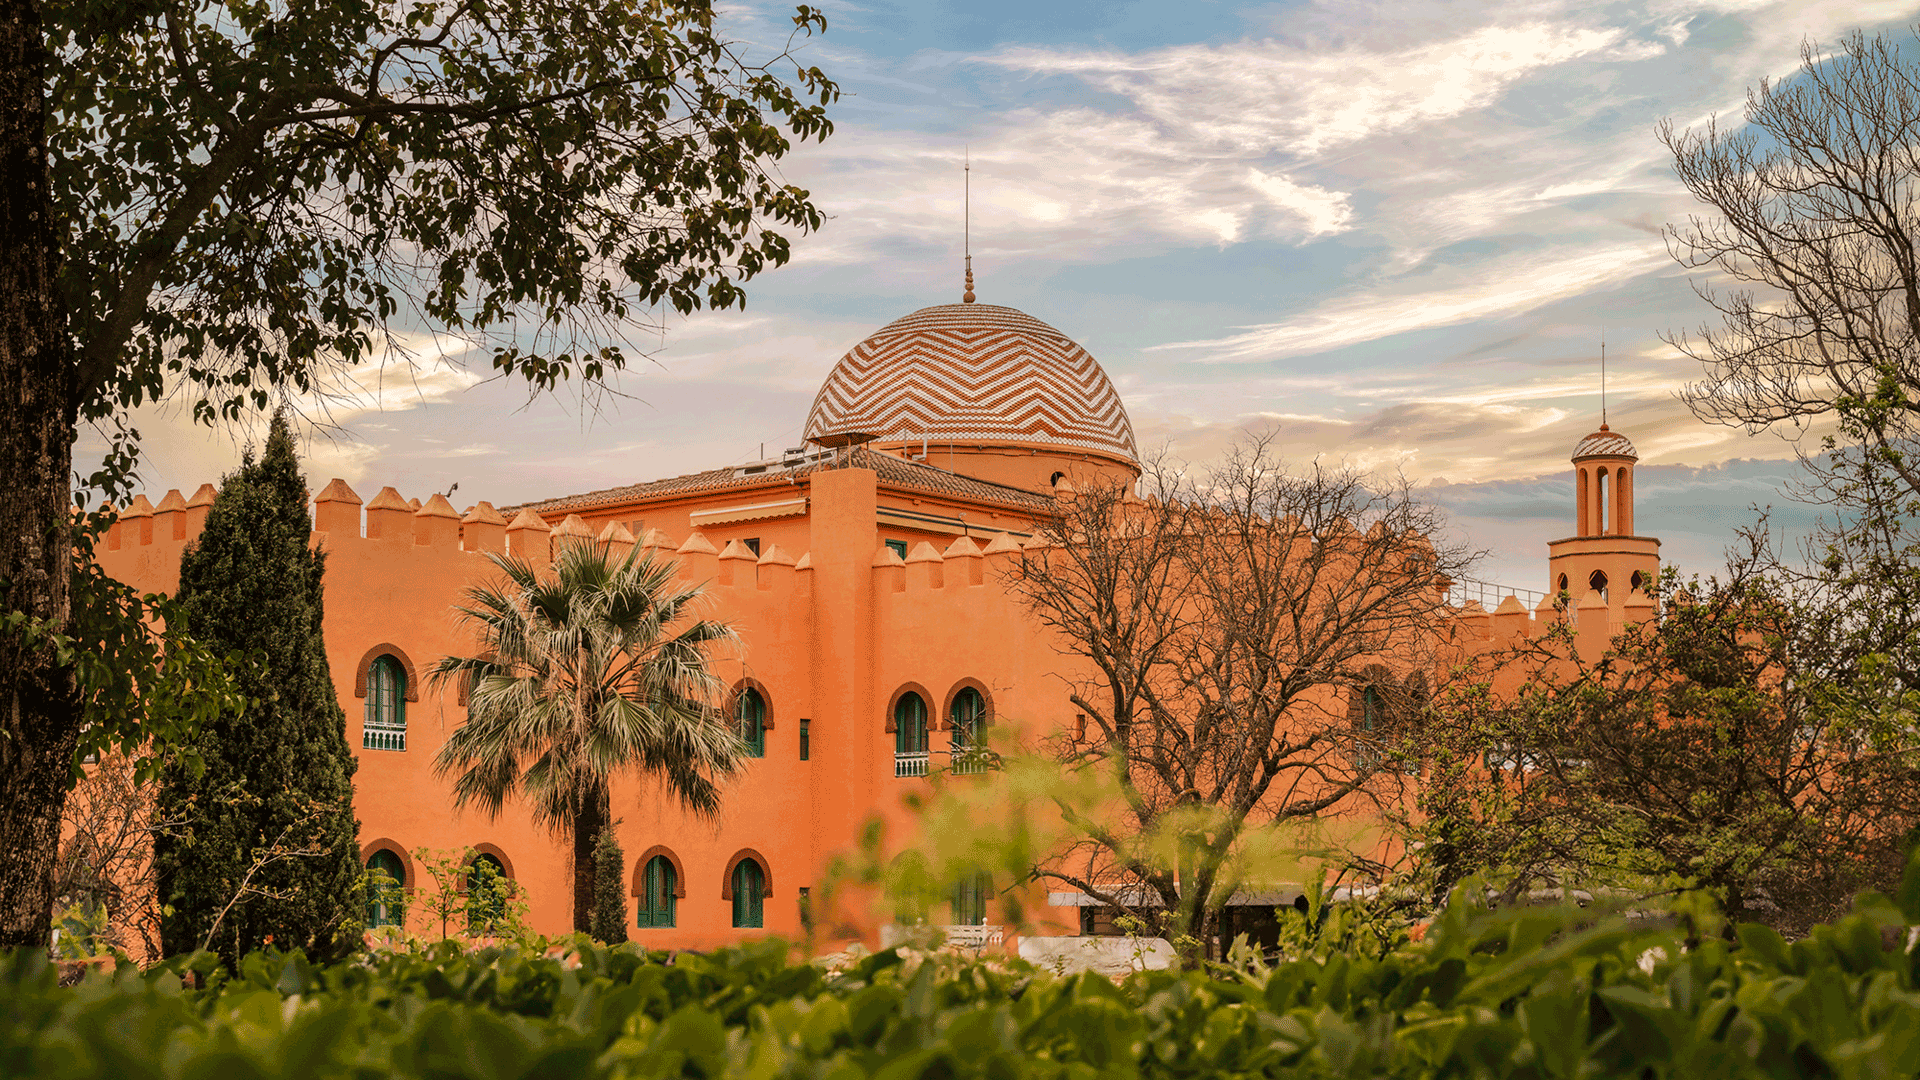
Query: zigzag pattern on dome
x,y
1604,443
972,371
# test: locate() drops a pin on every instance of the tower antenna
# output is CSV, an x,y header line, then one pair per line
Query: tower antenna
x,y
966,219
1603,376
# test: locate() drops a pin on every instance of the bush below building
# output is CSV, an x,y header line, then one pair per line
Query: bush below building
x,y
1524,992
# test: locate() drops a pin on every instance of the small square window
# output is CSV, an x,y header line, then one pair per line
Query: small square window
x,y
898,547
752,544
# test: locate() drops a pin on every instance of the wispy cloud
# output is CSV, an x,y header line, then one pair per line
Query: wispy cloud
x,y
1259,97
1510,286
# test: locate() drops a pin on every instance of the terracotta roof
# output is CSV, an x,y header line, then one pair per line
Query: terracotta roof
x,y
976,372
892,471
1604,443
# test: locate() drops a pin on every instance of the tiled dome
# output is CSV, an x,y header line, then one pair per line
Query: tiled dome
x,y
967,372
1605,443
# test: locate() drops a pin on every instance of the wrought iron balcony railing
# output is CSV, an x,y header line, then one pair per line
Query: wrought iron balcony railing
x,y
383,738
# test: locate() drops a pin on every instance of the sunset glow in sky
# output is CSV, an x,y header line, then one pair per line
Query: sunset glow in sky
x,y
1393,233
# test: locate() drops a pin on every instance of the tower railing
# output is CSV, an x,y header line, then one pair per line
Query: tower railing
x,y
1490,595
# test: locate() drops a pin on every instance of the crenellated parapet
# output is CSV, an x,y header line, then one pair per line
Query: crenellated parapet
x,y
174,522
1593,621
146,540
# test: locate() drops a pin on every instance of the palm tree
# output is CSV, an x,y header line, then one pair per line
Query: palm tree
x,y
594,669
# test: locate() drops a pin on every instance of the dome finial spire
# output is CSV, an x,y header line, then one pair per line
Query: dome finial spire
x,y
966,227
1603,377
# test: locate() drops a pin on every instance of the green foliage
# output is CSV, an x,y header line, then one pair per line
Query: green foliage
x,y
267,853
1718,747
447,900
495,907
83,931
609,889
253,192
146,683
1522,993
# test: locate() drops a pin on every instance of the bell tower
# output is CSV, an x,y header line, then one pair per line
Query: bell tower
x,y
1603,555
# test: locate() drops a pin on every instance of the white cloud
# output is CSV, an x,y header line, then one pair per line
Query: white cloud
x,y
1514,285
1321,211
1258,97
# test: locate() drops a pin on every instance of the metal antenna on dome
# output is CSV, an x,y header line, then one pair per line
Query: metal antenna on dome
x,y
966,219
1603,377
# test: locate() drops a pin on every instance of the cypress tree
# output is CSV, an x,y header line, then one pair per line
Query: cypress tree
x,y
609,898
279,777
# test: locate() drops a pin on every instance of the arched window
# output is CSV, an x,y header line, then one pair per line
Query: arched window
x,y
910,735
750,718
1373,709
969,718
970,899
749,889
1598,583
386,716
657,888
386,890
1563,583
910,724
1638,581
487,890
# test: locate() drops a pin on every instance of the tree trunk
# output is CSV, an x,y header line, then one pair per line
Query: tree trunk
x,y
586,830
39,702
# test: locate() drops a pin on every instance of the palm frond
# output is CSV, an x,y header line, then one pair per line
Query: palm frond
x,y
585,672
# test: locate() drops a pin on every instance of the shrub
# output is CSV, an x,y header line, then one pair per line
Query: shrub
x,y
1533,993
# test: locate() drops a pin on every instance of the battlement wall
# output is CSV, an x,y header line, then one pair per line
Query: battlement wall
x,y
145,543
1593,621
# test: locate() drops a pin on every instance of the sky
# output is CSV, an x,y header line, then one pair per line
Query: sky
x,y
1390,234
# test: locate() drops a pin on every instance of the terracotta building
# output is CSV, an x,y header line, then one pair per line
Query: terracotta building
x,y
862,573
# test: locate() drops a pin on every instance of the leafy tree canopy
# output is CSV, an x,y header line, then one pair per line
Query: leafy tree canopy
x,y
254,191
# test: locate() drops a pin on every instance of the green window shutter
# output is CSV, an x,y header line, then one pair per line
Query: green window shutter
x,y
898,547
751,715
386,879
656,906
910,725
968,710
806,742
748,884
669,888
970,899
385,722
649,888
